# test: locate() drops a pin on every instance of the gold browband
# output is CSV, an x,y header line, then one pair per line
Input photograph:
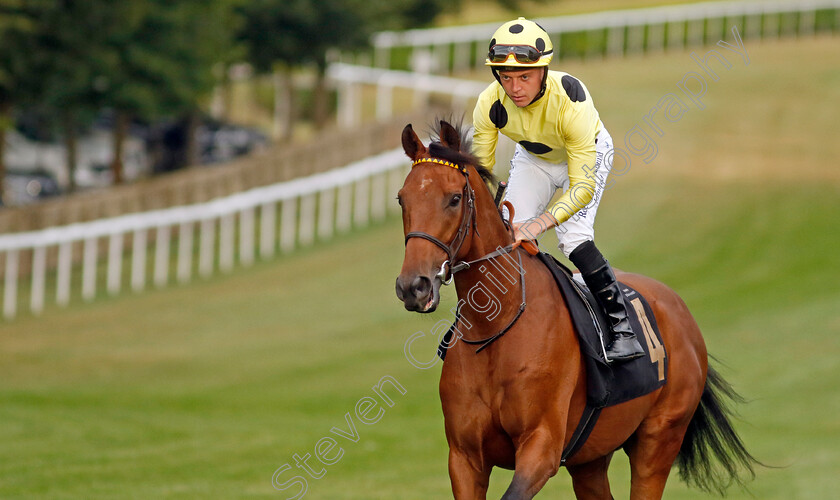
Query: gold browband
x,y
439,162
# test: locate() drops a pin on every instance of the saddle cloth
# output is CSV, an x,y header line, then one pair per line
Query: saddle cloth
x,y
611,384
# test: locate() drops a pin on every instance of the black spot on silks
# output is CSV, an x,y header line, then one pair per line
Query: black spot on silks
x,y
573,88
516,28
540,44
536,148
498,114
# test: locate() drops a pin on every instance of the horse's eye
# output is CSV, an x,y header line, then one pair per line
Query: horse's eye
x,y
456,199
399,200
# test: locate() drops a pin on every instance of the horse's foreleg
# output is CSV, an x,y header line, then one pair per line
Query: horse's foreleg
x,y
469,482
536,462
590,480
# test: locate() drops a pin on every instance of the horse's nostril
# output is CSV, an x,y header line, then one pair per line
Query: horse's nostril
x,y
400,291
421,286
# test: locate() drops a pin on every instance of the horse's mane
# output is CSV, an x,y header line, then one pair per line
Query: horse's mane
x,y
461,158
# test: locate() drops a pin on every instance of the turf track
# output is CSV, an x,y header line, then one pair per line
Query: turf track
x,y
204,391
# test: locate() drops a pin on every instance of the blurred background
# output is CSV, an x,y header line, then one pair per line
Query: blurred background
x,y
198,237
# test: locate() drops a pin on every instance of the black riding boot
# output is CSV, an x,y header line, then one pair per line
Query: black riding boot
x,y
600,279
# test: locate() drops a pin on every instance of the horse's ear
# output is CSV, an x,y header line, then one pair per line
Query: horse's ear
x,y
449,137
412,145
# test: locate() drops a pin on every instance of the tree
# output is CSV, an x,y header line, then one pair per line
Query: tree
x,y
296,33
164,62
18,73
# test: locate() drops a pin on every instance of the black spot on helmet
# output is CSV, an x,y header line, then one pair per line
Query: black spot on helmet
x,y
516,28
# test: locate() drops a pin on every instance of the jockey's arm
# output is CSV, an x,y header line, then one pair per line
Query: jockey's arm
x,y
485,133
580,125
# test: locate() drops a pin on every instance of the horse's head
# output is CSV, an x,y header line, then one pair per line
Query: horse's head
x,y
438,210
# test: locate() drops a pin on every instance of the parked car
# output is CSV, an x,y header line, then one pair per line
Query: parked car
x,y
25,187
217,142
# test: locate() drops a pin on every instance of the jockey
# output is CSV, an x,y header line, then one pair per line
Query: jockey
x,y
561,145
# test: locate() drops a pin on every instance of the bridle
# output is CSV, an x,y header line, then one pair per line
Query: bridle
x,y
447,269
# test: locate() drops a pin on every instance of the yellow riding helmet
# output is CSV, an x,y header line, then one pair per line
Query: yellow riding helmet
x,y
520,43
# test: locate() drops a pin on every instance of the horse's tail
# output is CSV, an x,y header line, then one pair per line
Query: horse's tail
x,y
712,456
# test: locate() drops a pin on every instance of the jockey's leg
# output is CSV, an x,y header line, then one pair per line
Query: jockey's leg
x,y
600,279
530,185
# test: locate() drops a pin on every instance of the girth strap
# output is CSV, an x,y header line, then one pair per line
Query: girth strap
x,y
582,431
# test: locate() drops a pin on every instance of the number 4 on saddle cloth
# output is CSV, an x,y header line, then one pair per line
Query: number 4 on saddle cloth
x,y
607,384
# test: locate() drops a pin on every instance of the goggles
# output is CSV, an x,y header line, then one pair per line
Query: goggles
x,y
524,54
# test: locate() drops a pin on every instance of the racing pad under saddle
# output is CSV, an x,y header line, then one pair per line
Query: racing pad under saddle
x,y
611,384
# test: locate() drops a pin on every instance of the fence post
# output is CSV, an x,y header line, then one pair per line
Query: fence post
x,y
65,265
39,268
461,56
10,285
384,101
348,96
89,265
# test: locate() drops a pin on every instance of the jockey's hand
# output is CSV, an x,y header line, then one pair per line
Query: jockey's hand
x,y
531,229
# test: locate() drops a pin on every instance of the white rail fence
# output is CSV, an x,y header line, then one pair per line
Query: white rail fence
x,y
614,33
349,79
309,208
619,32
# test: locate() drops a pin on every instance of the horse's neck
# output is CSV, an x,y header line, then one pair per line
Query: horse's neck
x,y
490,232
489,292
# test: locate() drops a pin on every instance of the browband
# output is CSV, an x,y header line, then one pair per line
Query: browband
x,y
440,162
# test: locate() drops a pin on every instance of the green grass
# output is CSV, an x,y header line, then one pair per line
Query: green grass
x,y
203,391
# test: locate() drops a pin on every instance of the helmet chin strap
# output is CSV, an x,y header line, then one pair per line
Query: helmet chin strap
x,y
542,87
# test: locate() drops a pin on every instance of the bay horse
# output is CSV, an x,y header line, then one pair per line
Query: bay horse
x,y
516,403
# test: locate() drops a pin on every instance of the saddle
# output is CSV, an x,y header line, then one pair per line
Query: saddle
x,y
607,384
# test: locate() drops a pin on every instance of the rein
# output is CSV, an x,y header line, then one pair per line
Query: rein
x,y
448,269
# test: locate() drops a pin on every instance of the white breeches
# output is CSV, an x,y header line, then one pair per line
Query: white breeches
x,y
534,181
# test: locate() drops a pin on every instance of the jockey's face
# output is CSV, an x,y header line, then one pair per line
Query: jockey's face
x,y
522,85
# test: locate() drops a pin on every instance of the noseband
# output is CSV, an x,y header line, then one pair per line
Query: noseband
x,y
467,220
